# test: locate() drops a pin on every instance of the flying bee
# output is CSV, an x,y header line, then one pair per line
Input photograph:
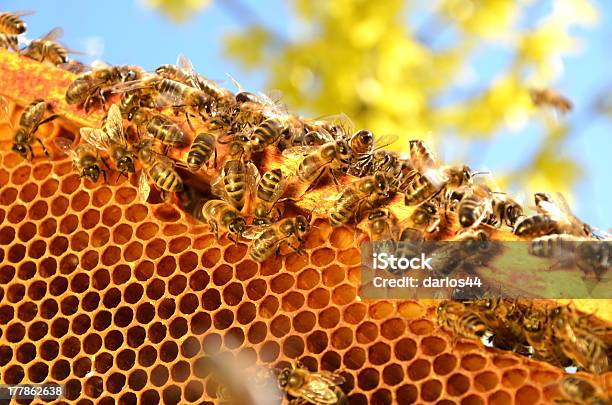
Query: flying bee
x,y
157,125
29,122
551,98
89,87
202,149
159,168
554,217
267,239
475,206
269,188
221,217
359,195
578,342
9,41
320,388
578,390
456,318
85,158
422,187
331,156
48,49
237,178
111,139
11,23
539,334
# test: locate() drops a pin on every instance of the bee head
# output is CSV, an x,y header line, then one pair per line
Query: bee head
x,y
343,151
381,183
283,377
92,173
126,164
364,137
301,224
21,149
237,226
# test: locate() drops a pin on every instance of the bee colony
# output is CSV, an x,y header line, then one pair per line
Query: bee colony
x,y
158,236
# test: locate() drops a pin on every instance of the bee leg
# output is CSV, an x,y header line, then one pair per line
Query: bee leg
x,y
189,122
30,154
215,157
335,181
43,148
104,174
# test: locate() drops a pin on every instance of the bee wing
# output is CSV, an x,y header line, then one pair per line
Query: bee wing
x,y
252,177
183,62
95,137
318,392
21,13
437,177
385,140
65,145
238,85
253,232
279,190
130,86
143,186
330,377
342,120
217,188
299,151
53,35
113,126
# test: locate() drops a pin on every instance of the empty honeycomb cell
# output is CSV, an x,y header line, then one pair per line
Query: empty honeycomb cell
x,y
110,216
379,353
223,319
147,356
203,242
500,397
381,310
235,253
292,301
68,263
178,245
317,342
191,346
150,397
81,367
272,266
102,320
381,397
94,387
15,293
123,317
103,362
179,327
112,297
222,275
80,201
155,289
26,232
280,326
342,338
37,211
211,300
25,353
329,318
174,229
318,298
59,327
171,395
4,177
246,313
111,255
6,274
49,350
212,343
101,196
472,399
71,347
6,354
293,262
27,270
144,270
418,369
165,213
332,275
90,260
349,257
79,283
166,308
122,234
180,372
457,384
431,390
7,314
233,338
166,266
136,213
38,372
473,362
341,237
233,294
485,381
432,345
79,241
37,290
18,212
125,195
136,336
367,332
92,343
188,304
100,237
49,188
193,391
257,332
368,379
168,352
81,324
293,347
115,383
38,330
100,279
444,364
8,196
281,283
344,294
90,301
121,274
502,361
330,361
58,286
322,257
28,192
21,174
59,205
113,340
155,248
27,311
513,378
70,183
544,377
188,261
73,389
137,380
268,307
48,308
421,326
246,269
36,250
13,374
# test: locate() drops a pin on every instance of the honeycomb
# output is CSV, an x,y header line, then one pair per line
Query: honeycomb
x,y
123,303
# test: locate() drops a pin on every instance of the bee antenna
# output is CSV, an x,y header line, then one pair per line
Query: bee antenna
x,y
480,172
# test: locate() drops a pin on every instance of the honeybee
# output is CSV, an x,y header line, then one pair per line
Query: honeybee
x,y
202,149
409,243
265,134
427,216
462,322
267,239
269,188
85,158
504,210
578,342
11,23
382,224
503,317
539,335
89,87
29,122
48,49
360,194
364,146
111,139
578,390
318,388
422,187
475,206
9,41
328,157
159,168
157,125
237,177
552,98
554,217
221,217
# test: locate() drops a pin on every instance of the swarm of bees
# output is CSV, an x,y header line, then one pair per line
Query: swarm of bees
x,y
559,335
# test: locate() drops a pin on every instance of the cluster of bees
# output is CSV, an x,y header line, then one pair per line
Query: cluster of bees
x,y
559,334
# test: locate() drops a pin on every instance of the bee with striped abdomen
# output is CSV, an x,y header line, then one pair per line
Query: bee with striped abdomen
x,y
237,179
267,239
222,217
358,197
32,117
269,189
203,147
85,158
159,168
11,22
48,49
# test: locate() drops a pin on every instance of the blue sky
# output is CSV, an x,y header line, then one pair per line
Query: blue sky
x,y
128,32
